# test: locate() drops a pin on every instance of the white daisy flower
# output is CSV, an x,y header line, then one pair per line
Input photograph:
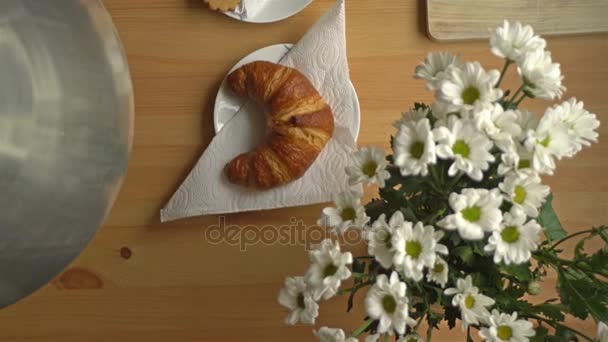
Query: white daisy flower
x,y
296,297
438,273
328,269
387,302
602,332
515,240
369,166
473,305
414,148
525,190
380,236
412,115
500,125
411,338
416,247
513,40
435,66
372,338
542,77
348,213
326,334
469,87
504,327
475,211
516,158
580,124
526,120
441,111
549,141
467,146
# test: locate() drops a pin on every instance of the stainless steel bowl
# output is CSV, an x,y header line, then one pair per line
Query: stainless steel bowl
x,y
66,118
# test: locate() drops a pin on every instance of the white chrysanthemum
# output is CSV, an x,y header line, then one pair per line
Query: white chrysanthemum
x,y
368,166
526,120
296,297
467,146
549,141
435,66
387,302
328,269
326,334
412,115
380,236
516,158
411,338
416,247
542,77
473,305
602,332
507,328
580,124
469,87
515,240
439,272
441,111
475,211
525,190
500,125
348,213
414,148
513,40
373,338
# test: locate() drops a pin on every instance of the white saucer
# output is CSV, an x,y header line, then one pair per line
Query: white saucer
x,y
267,11
227,104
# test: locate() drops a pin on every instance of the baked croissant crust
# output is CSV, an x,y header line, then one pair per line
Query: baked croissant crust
x,y
299,125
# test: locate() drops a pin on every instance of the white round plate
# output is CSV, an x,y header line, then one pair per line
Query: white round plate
x,y
267,11
227,104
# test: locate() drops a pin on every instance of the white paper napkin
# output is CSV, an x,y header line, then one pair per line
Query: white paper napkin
x,y
321,56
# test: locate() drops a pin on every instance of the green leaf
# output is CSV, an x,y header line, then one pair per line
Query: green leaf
x,y
451,314
521,272
465,253
551,311
582,296
548,219
541,335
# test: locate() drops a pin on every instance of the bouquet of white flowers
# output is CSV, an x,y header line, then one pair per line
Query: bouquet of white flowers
x,y
456,231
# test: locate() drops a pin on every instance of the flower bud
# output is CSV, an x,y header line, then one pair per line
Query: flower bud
x,y
534,288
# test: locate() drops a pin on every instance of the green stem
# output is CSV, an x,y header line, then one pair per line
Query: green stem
x,y
570,237
520,100
519,90
429,333
362,328
503,72
559,325
469,338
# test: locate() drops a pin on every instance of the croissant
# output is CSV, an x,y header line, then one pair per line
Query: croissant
x,y
299,121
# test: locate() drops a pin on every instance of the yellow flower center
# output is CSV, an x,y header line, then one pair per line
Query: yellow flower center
x,y
369,168
348,214
462,148
470,95
417,149
413,249
469,302
329,270
510,234
472,214
438,268
524,164
387,241
519,194
504,332
545,142
389,304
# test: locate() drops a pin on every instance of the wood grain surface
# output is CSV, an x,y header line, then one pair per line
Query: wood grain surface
x,y
140,280
470,19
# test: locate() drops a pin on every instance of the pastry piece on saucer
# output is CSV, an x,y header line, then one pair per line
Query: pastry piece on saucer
x,y
222,5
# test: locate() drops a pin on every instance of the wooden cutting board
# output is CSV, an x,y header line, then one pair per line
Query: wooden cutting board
x,y
473,19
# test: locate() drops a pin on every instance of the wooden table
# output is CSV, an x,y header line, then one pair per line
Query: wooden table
x,y
176,286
